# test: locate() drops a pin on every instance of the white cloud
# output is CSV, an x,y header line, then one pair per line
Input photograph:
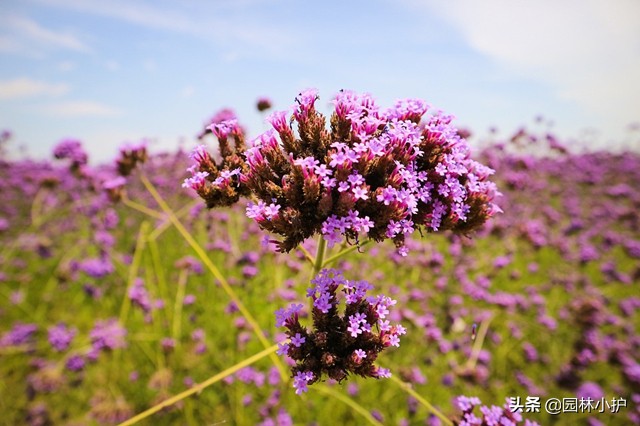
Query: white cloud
x,y
200,19
588,51
79,109
24,35
25,88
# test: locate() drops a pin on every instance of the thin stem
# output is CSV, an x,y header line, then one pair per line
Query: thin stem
x,y
199,387
52,282
165,224
344,252
141,208
133,270
307,255
319,262
350,402
409,389
477,345
157,266
177,306
215,271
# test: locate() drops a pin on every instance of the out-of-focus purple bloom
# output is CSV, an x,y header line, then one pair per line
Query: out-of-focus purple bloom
x,y
60,336
139,295
97,267
168,344
19,334
108,334
75,363
70,149
189,262
590,390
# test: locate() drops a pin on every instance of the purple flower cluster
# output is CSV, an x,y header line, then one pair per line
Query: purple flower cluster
x,y
338,344
218,183
19,334
130,156
224,114
107,335
489,416
60,336
139,295
97,267
378,172
71,149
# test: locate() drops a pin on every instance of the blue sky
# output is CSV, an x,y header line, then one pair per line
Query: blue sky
x,y
117,71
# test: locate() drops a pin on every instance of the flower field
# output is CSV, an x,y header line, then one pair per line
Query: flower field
x,y
121,292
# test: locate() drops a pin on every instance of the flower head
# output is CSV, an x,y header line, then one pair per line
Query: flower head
x,y
131,154
342,341
375,172
220,183
60,336
108,334
71,149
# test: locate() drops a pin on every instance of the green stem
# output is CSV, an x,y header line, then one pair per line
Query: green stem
x,y
344,252
177,306
216,273
137,206
350,402
167,223
477,345
322,245
159,271
317,264
199,387
133,271
407,388
307,255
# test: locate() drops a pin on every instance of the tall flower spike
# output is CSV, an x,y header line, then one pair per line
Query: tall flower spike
x,y
379,173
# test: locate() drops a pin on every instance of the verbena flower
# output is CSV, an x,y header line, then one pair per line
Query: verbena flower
x,y
341,341
218,183
97,267
220,116
130,156
60,336
71,149
19,334
139,295
107,335
378,172
114,187
75,363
